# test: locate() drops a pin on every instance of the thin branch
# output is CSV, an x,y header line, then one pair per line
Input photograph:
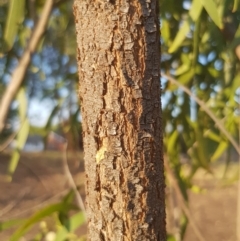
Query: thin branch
x,y
11,137
39,205
183,204
19,72
46,187
71,180
11,205
8,141
207,110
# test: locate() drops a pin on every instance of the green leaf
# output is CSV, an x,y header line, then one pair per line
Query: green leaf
x,y
165,30
14,19
74,222
213,136
69,197
182,69
194,13
235,6
171,143
47,211
201,149
22,100
234,86
9,224
223,145
20,143
185,78
181,35
170,237
205,37
213,72
211,8
195,10
23,134
13,164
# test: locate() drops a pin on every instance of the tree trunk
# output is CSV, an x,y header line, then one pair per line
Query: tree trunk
x,y
118,62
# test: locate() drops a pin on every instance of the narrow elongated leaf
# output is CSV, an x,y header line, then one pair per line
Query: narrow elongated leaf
x,y
235,6
194,13
223,145
165,30
185,78
69,197
211,8
181,35
47,211
171,144
13,164
182,69
9,224
23,134
14,19
213,136
20,143
234,86
22,100
74,222
201,150
195,10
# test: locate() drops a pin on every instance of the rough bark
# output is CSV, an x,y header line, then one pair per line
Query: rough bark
x,y
119,62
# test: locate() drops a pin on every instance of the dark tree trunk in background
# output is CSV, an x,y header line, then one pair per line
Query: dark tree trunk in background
x,y
118,62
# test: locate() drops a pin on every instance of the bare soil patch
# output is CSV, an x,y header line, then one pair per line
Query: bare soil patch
x,y
40,180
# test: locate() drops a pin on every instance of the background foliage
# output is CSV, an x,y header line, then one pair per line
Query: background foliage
x,y
200,49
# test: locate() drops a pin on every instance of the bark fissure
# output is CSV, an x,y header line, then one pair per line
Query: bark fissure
x,y
118,62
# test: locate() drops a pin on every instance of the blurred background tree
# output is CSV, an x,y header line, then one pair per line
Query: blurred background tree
x,y
200,50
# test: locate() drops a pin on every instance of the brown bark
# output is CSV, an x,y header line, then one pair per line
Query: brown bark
x,y
118,62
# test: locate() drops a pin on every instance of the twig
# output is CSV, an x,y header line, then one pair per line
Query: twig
x,y
11,137
35,174
42,203
207,110
19,72
70,179
182,202
8,141
11,205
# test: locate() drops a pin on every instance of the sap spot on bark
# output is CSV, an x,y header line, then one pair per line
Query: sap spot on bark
x,y
101,154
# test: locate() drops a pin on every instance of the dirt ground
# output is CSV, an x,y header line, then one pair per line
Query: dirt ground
x,y
40,180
